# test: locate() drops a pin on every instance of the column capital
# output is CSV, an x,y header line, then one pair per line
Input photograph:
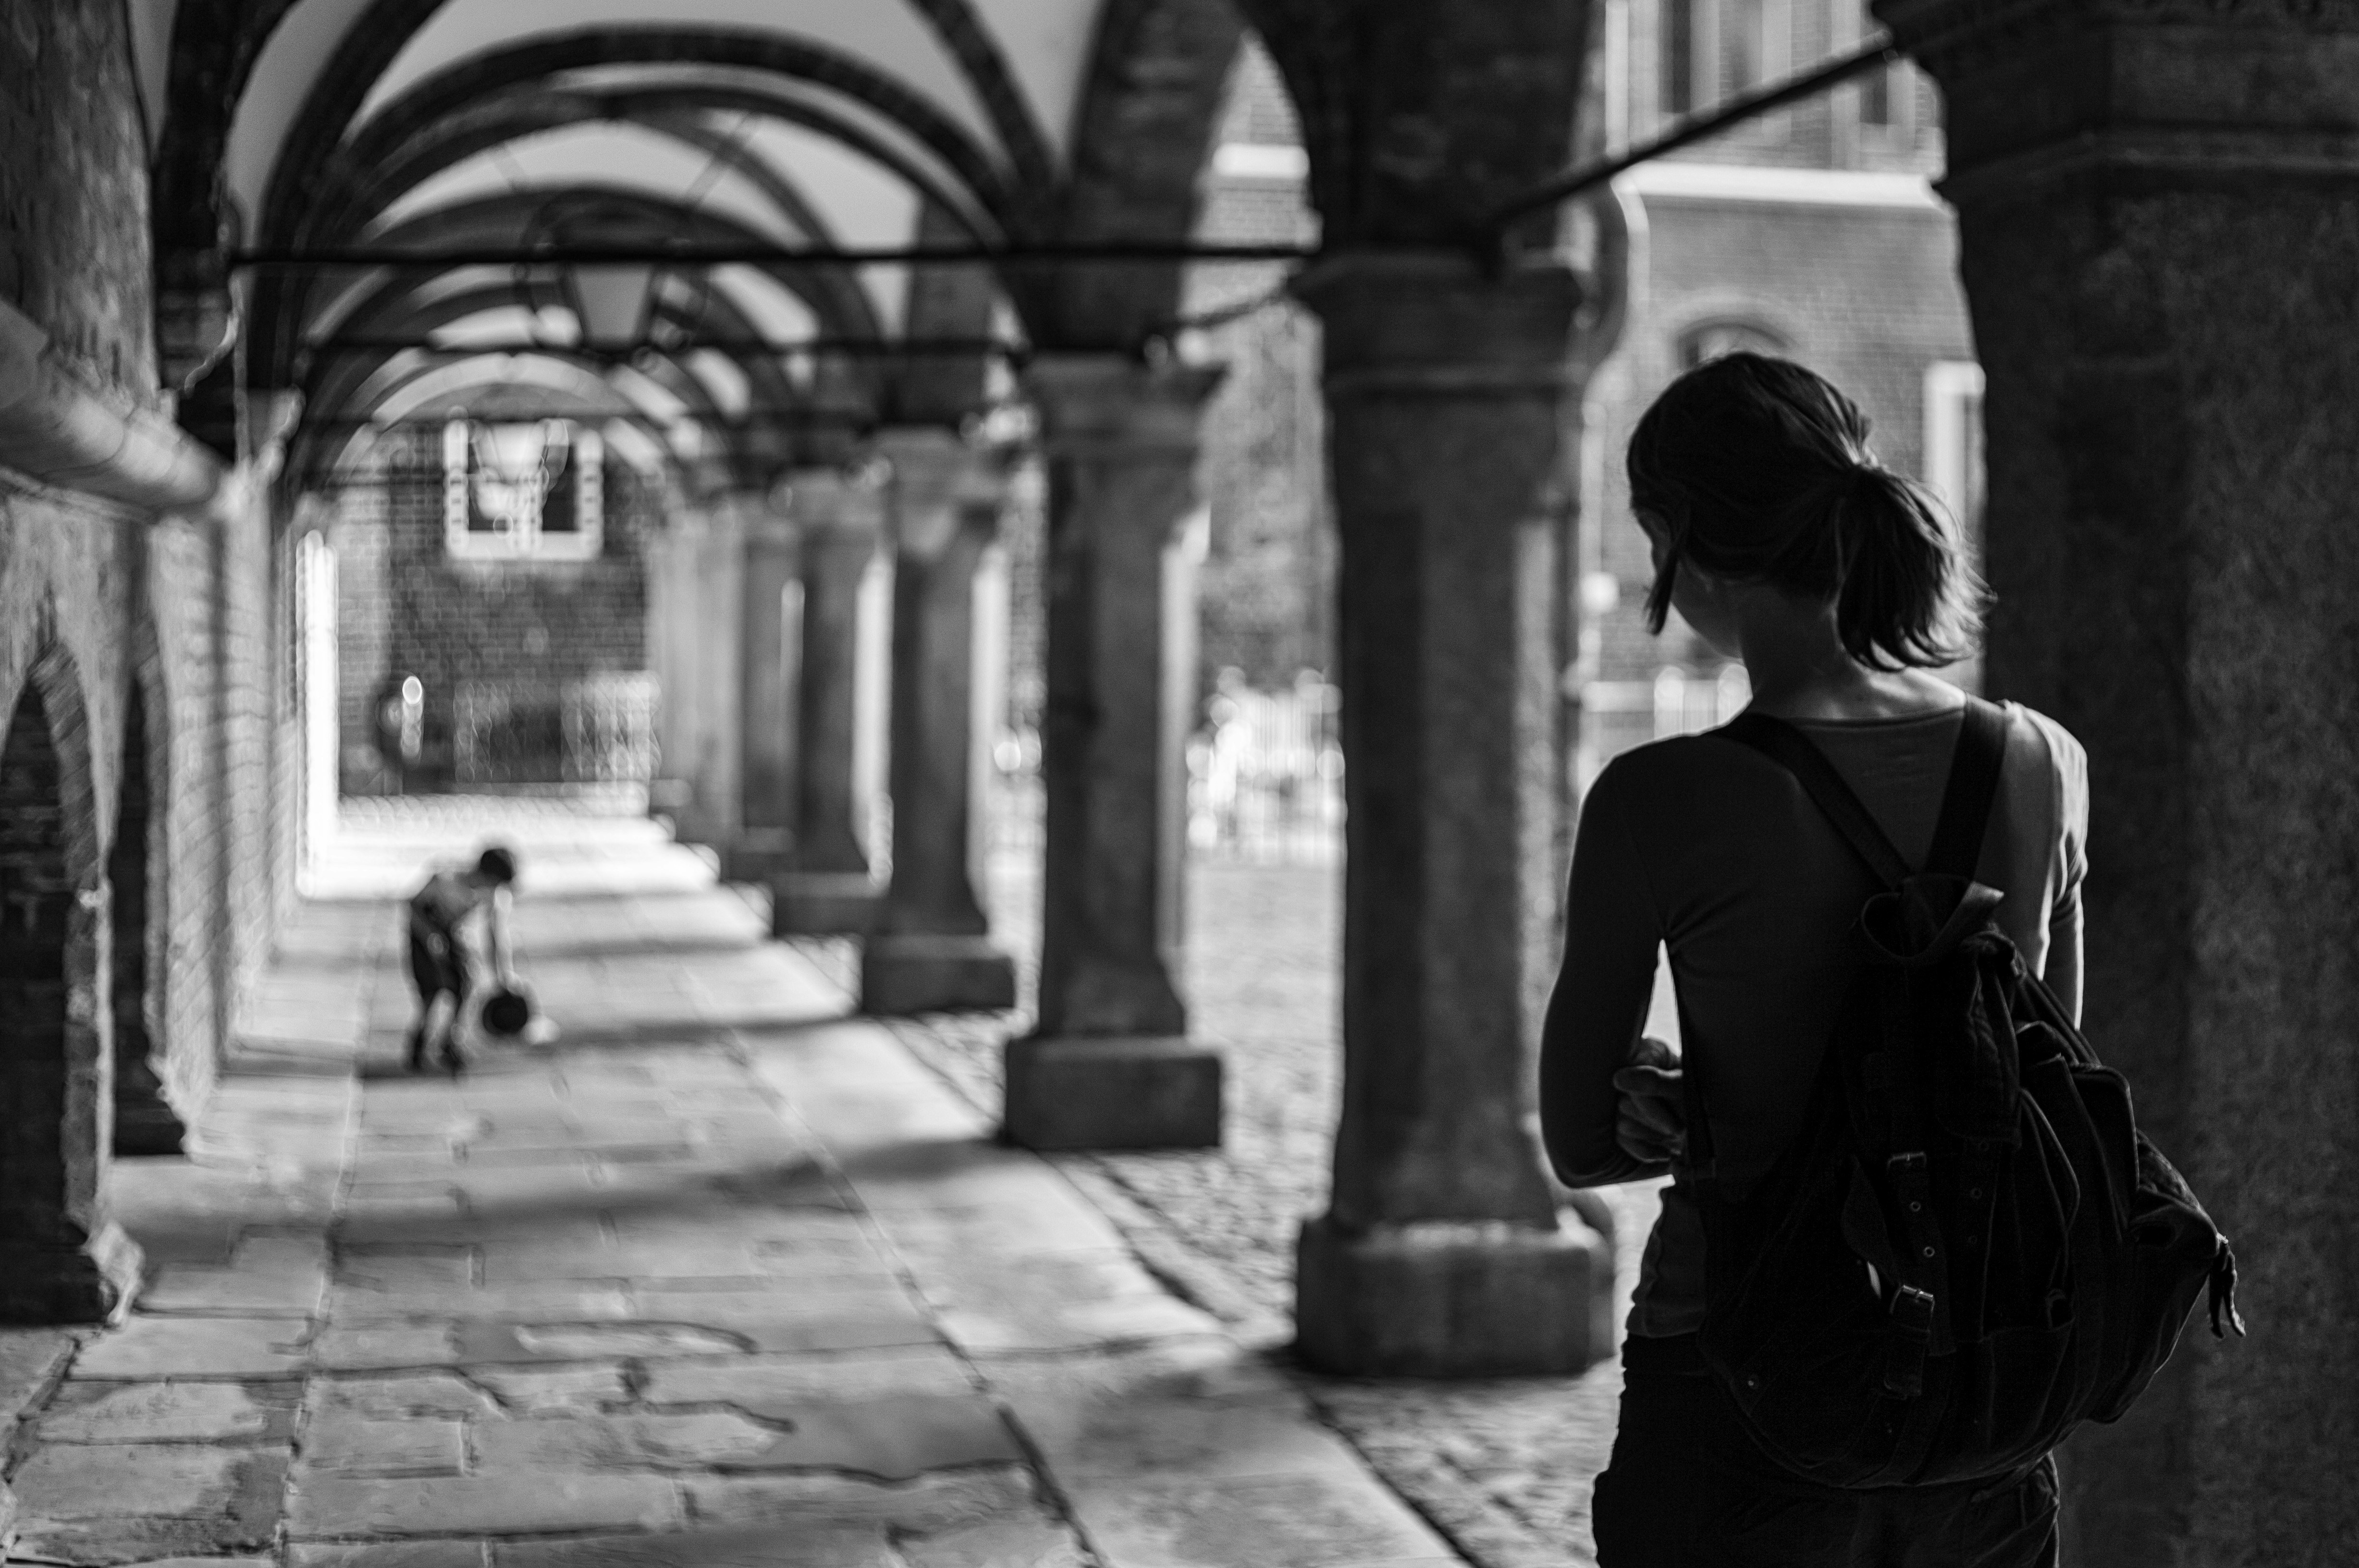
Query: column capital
x,y
938,484
830,502
1435,323
1095,401
757,516
2156,93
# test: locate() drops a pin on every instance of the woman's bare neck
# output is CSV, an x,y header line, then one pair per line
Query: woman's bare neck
x,y
1800,670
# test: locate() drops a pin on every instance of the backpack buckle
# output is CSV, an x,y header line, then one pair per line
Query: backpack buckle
x,y
1909,1164
1905,1345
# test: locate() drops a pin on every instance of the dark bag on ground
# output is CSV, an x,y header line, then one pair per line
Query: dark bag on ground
x,y
1970,1249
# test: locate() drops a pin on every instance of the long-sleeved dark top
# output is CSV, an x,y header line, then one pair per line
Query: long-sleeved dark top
x,y
1711,850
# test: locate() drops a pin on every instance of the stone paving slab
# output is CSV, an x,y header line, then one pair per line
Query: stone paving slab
x,y
717,1277
944,1500
147,1348
515,1503
168,1412
136,1502
1322,1520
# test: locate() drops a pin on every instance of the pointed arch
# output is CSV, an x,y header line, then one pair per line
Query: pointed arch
x,y
61,1257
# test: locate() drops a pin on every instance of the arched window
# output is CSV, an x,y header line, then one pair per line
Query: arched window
x,y
1710,340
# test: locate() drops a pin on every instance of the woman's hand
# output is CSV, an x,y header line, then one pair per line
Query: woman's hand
x,y
1650,1122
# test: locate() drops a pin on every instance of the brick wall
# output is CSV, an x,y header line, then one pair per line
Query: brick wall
x,y
74,186
182,607
210,597
406,606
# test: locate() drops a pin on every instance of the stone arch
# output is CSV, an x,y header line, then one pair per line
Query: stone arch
x,y
1143,130
325,175
62,1260
138,877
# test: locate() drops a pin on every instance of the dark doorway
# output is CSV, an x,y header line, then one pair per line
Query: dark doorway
x,y
62,1260
145,1122
35,911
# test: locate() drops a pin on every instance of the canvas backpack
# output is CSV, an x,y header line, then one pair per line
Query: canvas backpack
x,y
1969,1248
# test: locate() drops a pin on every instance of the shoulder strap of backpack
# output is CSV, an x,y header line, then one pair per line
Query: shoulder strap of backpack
x,y
1973,785
1966,797
1791,749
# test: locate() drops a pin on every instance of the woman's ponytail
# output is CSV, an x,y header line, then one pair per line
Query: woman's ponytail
x,y
1905,598
1758,470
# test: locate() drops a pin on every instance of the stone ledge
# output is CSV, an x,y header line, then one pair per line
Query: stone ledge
x,y
910,974
822,903
1081,1092
1454,1300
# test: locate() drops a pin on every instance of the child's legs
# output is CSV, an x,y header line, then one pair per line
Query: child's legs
x,y
439,971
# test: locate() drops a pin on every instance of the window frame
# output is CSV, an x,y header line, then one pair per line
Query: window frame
x,y
523,540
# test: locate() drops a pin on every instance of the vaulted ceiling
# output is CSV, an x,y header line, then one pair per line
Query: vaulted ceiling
x,y
481,131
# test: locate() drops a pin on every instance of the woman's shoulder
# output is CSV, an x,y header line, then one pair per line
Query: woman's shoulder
x,y
2056,766
1664,773
2044,738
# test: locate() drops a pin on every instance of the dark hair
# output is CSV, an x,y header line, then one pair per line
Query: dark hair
x,y
1759,471
497,864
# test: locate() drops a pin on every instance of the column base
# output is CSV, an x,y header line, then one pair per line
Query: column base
x,y
1133,1092
1441,1299
822,903
147,1127
901,973
755,854
92,1283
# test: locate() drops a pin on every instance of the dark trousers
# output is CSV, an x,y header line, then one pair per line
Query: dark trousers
x,y
1688,1489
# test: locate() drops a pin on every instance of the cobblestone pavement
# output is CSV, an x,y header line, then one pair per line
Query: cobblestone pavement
x,y
715,1277
1504,1467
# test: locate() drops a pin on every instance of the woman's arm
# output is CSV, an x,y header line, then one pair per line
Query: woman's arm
x,y
2072,769
1612,930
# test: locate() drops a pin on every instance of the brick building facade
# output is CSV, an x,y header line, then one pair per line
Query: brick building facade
x,y
496,644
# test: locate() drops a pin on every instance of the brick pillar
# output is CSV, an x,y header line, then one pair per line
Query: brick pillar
x,y
2161,276
1442,1253
770,642
145,1121
1111,1064
931,947
826,886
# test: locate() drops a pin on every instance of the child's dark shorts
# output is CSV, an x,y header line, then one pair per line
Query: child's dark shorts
x,y
1688,1489
438,963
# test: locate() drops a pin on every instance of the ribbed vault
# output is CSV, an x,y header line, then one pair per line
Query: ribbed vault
x,y
558,127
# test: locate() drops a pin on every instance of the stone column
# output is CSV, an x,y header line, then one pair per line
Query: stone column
x,y
675,590
771,641
1110,1065
2160,276
931,947
1442,1253
701,612
826,886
